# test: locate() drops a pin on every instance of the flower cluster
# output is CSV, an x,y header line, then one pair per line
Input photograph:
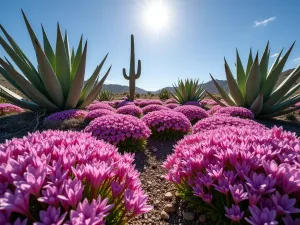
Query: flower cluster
x,y
240,174
124,103
8,109
170,101
213,109
131,110
98,113
58,177
194,103
216,122
172,105
208,101
235,112
150,102
100,106
125,131
167,124
152,108
297,104
193,113
65,119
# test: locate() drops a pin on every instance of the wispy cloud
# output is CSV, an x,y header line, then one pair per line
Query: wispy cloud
x,y
274,55
264,22
297,60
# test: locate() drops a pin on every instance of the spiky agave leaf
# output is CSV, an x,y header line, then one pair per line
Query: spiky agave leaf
x,y
57,83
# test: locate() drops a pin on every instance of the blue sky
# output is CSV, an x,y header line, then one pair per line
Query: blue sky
x,y
191,45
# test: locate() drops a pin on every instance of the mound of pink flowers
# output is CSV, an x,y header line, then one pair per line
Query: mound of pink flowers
x,y
193,113
98,113
172,105
125,131
8,109
235,112
130,110
150,102
57,177
65,115
240,175
208,102
194,103
152,108
124,103
100,106
170,101
213,109
167,124
216,122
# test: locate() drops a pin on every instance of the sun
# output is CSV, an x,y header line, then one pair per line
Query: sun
x,y
156,15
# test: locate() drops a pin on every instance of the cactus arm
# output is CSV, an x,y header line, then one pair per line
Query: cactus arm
x,y
132,57
125,75
139,70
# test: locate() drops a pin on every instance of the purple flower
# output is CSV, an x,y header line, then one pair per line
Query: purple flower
x,y
288,220
65,115
51,216
261,216
172,105
136,202
237,193
72,193
124,103
234,213
283,204
261,184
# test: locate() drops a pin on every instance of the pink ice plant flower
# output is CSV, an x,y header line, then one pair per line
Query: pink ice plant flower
x,y
170,101
130,110
146,102
66,115
193,113
71,178
216,122
255,168
172,105
235,111
213,110
208,101
152,108
194,103
8,109
98,113
100,105
124,103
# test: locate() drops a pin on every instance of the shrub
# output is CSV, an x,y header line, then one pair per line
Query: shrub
x,y
172,105
130,110
167,124
151,108
171,100
57,177
138,95
213,109
208,102
9,109
105,96
150,102
193,113
194,103
216,122
235,112
124,103
164,94
98,113
68,119
100,106
128,133
239,174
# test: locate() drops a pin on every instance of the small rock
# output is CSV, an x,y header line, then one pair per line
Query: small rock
x,y
164,215
149,182
188,215
156,203
202,218
177,194
169,208
154,166
168,196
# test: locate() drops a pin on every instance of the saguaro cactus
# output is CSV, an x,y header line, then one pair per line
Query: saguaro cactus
x,y
132,75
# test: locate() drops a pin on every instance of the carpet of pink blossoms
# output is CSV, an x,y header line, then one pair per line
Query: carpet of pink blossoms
x,y
242,175
235,111
124,103
213,109
172,105
193,113
7,108
100,106
118,128
208,102
194,103
152,108
98,113
130,110
170,101
217,122
146,102
57,177
66,115
160,121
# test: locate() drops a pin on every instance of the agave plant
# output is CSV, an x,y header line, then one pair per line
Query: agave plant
x,y
188,90
257,88
58,81
105,96
164,94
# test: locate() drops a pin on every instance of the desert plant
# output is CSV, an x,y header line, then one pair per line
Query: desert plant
x,y
138,95
130,110
132,76
193,113
58,81
105,96
164,94
60,177
239,175
149,92
256,88
187,91
235,112
127,132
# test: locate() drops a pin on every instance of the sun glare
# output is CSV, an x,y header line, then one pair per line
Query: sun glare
x,y
156,15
